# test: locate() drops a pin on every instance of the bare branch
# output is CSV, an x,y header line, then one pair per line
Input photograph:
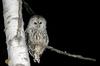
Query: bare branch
x,y
68,54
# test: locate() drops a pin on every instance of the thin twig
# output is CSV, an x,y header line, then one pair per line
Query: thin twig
x,y
28,8
68,54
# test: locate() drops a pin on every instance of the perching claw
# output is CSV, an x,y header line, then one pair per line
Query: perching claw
x,y
36,58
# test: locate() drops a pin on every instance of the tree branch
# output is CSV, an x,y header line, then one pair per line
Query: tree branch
x,y
70,55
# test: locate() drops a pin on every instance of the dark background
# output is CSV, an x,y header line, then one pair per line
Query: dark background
x,y
70,27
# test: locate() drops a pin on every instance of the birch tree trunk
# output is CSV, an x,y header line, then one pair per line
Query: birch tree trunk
x,y
15,36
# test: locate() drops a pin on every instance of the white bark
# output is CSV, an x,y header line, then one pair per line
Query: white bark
x,y
15,37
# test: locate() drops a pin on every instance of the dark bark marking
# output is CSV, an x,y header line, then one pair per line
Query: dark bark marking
x,y
26,59
5,10
18,38
15,18
9,42
9,16
8,22
19,65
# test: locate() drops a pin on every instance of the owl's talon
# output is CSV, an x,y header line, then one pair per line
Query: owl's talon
x,y
36,58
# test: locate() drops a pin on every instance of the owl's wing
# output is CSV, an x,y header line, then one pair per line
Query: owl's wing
x,y
28,43
27,35
45,36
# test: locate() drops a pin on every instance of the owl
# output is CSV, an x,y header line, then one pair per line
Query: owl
x,y
36,37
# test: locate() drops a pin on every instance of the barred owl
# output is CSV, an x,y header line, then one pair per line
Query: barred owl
x,y
37,38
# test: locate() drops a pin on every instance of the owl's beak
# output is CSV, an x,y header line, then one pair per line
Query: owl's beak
x,y
38,26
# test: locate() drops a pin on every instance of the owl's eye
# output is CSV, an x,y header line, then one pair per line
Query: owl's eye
x,y
35,23
40,23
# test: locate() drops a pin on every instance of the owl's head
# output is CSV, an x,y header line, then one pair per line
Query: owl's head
x,y
37,22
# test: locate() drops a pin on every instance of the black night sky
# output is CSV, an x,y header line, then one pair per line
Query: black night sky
x,y
70,27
